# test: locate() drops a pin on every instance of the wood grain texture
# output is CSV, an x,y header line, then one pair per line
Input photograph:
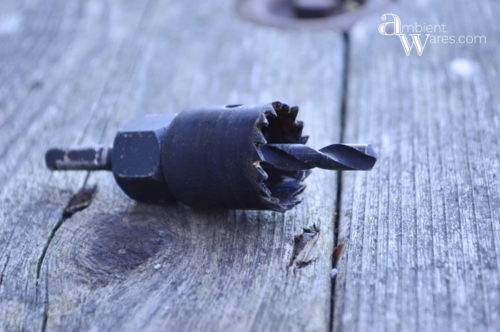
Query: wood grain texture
x,y
421,231
73,59
119,265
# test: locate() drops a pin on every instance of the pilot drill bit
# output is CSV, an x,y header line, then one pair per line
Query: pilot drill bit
x,y
233,157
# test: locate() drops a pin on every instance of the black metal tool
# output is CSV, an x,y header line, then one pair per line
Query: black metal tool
x,y
233,156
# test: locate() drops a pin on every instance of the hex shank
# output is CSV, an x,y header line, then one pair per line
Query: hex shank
x,y
90,159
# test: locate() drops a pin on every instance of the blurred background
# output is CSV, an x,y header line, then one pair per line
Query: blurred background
x,y
411,245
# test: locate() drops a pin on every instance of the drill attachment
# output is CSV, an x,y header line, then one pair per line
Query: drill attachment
x,y
231,157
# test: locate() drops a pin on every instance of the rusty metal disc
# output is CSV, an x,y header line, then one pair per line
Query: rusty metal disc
x,y
283,14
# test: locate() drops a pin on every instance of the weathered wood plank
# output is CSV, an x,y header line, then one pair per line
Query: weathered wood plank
x,y
74,68
122,265
421,231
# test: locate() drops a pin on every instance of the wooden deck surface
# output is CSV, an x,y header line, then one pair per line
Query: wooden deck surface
x,y
420,233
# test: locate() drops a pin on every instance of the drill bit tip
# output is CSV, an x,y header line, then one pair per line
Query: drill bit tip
x,y
294,157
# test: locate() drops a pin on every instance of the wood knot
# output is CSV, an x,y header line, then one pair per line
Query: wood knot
x,y
118,245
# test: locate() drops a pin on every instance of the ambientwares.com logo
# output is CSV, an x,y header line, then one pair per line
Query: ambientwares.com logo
x,y
419,35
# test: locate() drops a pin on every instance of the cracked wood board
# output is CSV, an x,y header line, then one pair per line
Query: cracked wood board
x,y
52,74
122,265
421,231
